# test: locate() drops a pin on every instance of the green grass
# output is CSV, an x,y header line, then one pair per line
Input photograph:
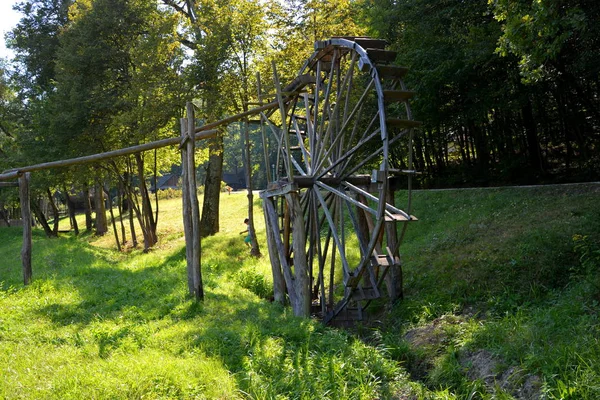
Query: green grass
x,y
99,324
509,268
503,273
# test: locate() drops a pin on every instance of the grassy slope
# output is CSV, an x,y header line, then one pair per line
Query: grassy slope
x,y
485,269
97,324
496,269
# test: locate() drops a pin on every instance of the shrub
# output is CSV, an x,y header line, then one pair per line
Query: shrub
x,y
254,281
169,194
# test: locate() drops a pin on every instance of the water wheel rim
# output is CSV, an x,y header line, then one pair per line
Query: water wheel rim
x,y
321,173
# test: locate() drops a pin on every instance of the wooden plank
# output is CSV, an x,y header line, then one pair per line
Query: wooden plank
x,y
384,56
299,83
279,188
391,71
26,216
369,43
390,217
284,127
364,41
390,209
12,173
237,117
345,197
395,96
271,217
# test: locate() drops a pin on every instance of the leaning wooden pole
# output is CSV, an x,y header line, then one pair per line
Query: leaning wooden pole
x,y
301,278
194,205
26,216
278,278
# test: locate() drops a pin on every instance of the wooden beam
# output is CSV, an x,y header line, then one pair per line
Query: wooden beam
x,y
278,279
187,209
26,216
272,221
195,207
302,279
15,172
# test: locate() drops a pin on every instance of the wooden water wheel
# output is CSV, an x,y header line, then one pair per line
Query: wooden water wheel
x,y
333,227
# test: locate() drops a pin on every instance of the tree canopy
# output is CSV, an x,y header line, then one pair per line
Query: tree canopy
x,y
507,90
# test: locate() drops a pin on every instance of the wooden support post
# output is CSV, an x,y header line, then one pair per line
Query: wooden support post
x,y
302,280
26,216
284,127
194,205
393,279
186,210
284,267
278,279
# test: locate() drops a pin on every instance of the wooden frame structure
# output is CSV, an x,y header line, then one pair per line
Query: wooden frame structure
x,y
187,141
333,228
332,225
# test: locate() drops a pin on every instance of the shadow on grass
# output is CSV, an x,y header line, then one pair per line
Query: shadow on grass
x,y
251,337
109,285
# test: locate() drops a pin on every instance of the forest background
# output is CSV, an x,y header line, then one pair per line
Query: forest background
x,y
508,91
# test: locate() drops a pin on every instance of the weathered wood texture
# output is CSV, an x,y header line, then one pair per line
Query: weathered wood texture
x,y
186,209
301,275
332,178
15,172
26,216
195,241
278,279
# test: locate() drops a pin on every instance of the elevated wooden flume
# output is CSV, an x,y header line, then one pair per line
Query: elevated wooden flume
x,y
333,228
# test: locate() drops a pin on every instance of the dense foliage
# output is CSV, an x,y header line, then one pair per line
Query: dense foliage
x,y
507,90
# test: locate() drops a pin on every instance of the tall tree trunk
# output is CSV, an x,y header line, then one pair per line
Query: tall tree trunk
x,y
121,210
533,145
134,241
126,181
209,224
101,222
482,152
71,210
147,218
155,170
4,215
55,214
255,249
88,208
112,219
37,211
